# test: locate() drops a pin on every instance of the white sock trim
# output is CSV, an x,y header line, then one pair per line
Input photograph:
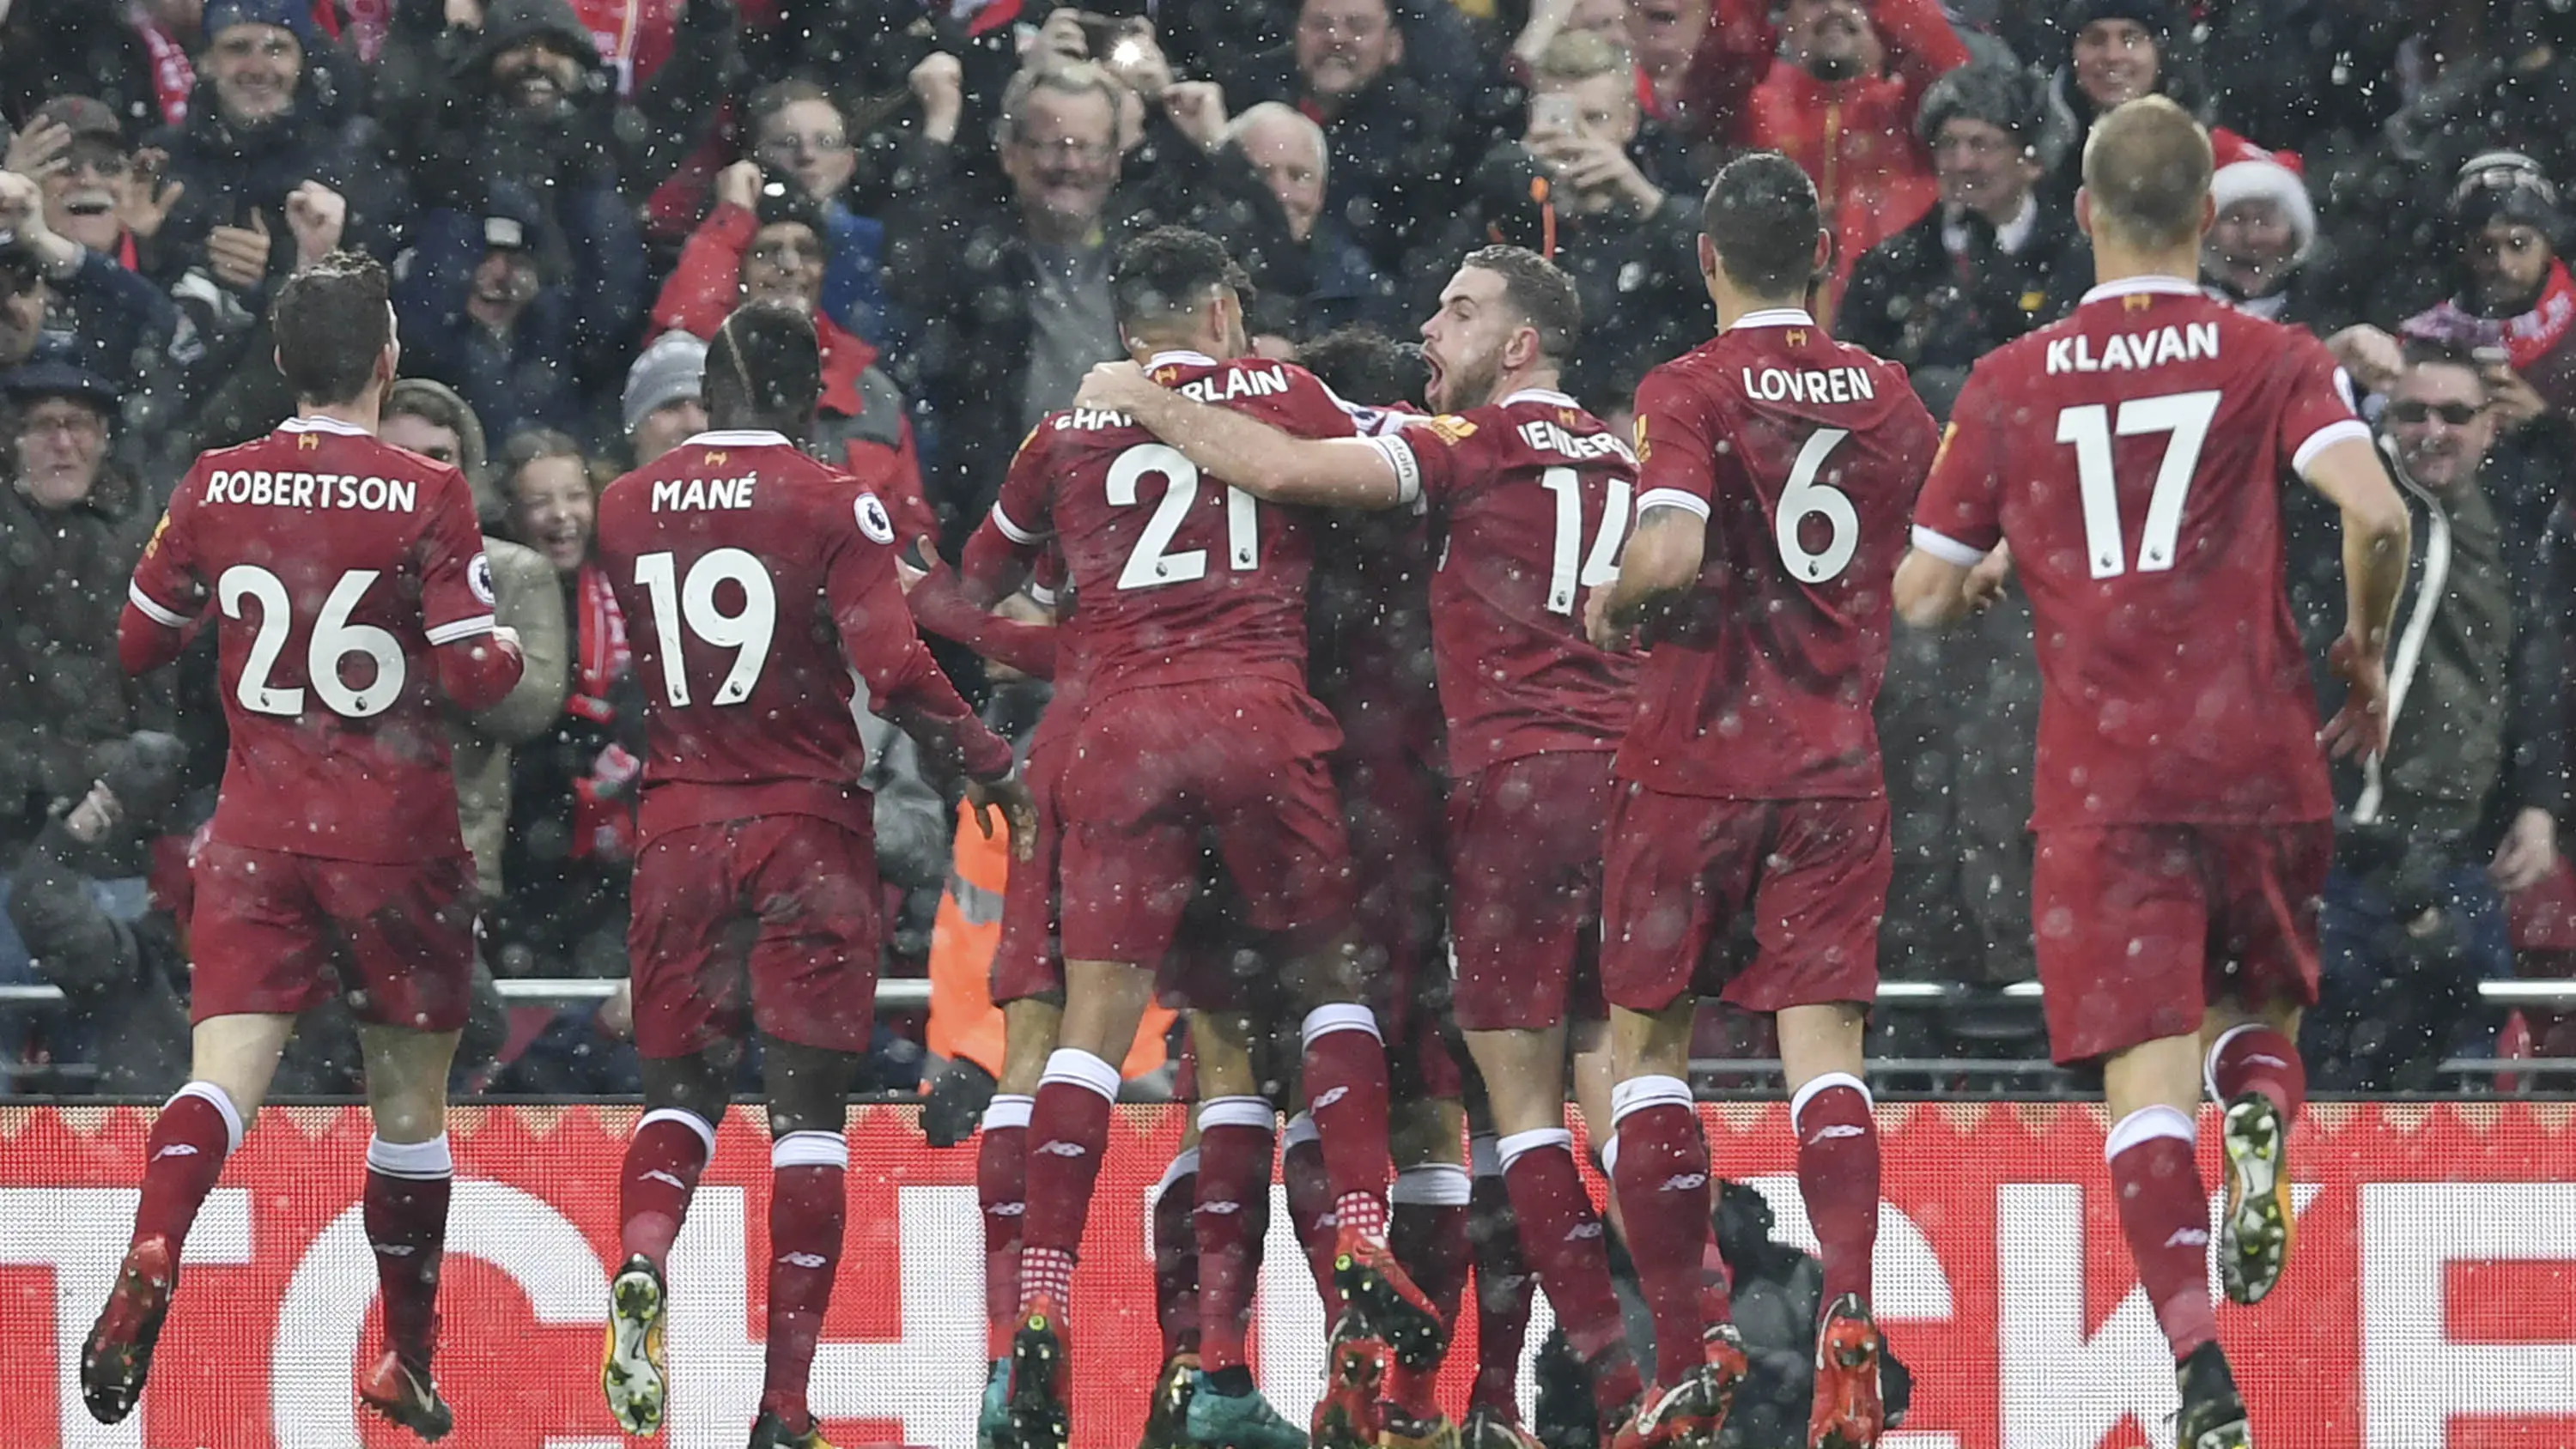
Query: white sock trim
x,y
1639,1093
419,1161
1300,1130
1073,1068
1340,1016
2209,1062
1609,1155
1521,1144
1432,1184
1483,1158
1237,1112
1822,1085
810,1149
222,1101
1008,1112
705,1129
2146,1125
1183,1164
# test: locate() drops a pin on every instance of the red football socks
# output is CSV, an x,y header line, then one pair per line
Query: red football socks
x,y
807,1201
2164,1213
197,1129
1661,1177
2255,1058
1231,1216
1428,1236
1001,1189
1068,1132
1346,1094
1838,1177
1310,1207
1504,1285
405,1211
1562,1235
1176,1256
663,1160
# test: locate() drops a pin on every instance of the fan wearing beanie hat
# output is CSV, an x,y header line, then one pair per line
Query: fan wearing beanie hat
x,y
2515,296
2265,229
663,405
1994,259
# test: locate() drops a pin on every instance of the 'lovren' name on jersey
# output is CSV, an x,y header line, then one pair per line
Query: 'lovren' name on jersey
x,y
1804,456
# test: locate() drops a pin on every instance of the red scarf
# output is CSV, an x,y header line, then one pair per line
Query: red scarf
x,y
2537,333
603,803
172,77
2527,338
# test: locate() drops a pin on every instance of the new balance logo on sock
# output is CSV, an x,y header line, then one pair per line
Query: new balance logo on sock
x,y
2263,1059
1331,1095
803,1260
1221,1209
1058,1147
1684,1182
176,1149
658,1175
1836,1131
2188,1238
1581,1231
394,1250
1007,1209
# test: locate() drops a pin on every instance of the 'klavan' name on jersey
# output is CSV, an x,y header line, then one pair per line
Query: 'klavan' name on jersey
x,y
2129,351
1809,385
261,487
674,493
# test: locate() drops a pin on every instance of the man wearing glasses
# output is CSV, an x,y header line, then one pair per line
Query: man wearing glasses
x,y
2461,809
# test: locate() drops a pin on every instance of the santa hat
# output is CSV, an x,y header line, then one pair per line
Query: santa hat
x,y
2247,172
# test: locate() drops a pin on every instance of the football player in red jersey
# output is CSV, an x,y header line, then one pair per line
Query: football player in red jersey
x,y
1191,630
2127,463
342,576
1778,471
760,589
1529,497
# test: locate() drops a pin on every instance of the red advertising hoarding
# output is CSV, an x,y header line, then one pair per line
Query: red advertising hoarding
x,y
2431,1303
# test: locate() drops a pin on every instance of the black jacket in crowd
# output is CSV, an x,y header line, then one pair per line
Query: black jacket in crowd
x,y
959,262
1911,302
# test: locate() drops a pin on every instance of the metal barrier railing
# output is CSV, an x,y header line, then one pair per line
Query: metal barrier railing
x,y
913,994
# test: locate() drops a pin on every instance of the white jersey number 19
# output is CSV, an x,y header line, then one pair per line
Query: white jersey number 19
x,y
2183,415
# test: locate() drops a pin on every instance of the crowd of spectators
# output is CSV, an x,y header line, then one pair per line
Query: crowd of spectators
x,y
571,194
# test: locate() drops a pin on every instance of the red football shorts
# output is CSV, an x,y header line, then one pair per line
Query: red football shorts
x,y
770,922
1525,889
1679,869
1026,963
2140,927
274,933
1154,772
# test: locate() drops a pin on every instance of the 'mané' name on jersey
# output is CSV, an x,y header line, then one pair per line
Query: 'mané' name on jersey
x,y
2131,351
683,494
272,488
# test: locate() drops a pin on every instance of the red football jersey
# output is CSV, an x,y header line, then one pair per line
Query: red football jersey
x,y
1804,455
1530,498
336,563
760,595
1180,578
2133,455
